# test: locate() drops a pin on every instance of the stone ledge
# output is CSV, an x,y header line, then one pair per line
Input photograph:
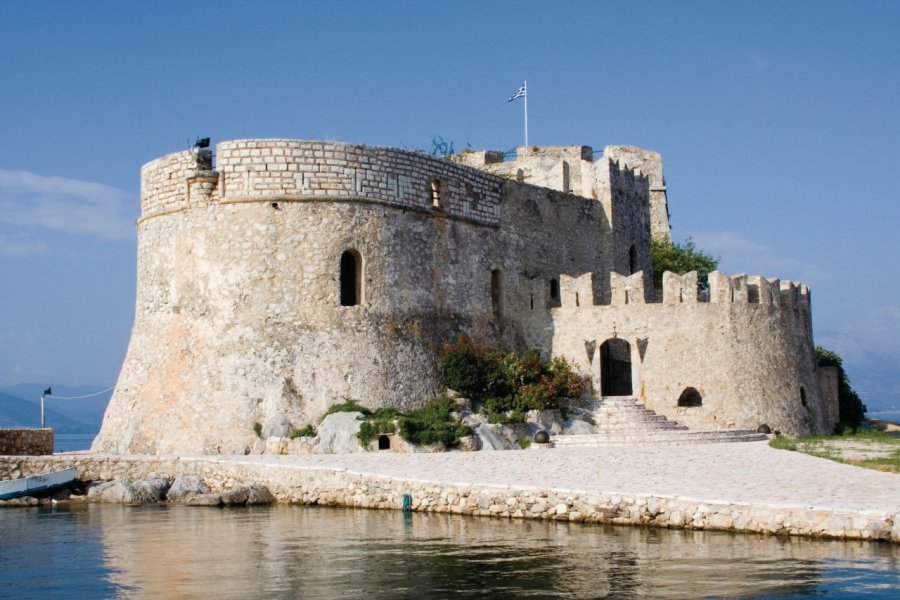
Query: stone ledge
x,y
317,485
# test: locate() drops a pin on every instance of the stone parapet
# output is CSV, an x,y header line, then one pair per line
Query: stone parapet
x,y
26,442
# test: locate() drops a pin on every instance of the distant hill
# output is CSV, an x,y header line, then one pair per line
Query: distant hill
x,y
20,407
19,412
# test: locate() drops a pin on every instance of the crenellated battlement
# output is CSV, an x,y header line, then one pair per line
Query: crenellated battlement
x,y
741,289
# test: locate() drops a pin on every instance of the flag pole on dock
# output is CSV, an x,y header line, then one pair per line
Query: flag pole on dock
x,y
47,392
522,92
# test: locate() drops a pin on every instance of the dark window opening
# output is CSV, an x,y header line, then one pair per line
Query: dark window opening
x,y
690,397
803,401
436,201
554,292
384,442
632,260
615,368
531,298
351,278
577,302
497,292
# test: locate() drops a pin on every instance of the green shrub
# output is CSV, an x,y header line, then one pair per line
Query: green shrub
x,y
305,431
257,429
681,258
348,405
433,423
370,429
523,441
463,370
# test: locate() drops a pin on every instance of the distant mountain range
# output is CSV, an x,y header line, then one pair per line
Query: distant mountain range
x,y
20,407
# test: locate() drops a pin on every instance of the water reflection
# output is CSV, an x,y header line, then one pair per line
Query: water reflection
x,y
290,552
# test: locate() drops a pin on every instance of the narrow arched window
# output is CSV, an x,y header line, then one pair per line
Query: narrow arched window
x,y
351,278
436,201
632,260
497,293
803,401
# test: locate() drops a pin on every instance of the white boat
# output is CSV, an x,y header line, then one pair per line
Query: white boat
x,y
29,486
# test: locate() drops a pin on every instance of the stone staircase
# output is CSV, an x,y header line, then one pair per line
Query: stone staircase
x,y
625,420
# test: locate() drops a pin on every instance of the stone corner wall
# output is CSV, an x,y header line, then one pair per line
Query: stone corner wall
x,y
26,442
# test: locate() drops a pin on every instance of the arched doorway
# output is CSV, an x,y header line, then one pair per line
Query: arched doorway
x,y
384,442
690,397
351,278
615,368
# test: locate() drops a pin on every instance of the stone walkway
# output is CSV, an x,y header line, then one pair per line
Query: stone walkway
x,y
746,473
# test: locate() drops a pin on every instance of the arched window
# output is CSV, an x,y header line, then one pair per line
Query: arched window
x,y
351,278
615,368
690,397
497,292
803,401
632,260
436,201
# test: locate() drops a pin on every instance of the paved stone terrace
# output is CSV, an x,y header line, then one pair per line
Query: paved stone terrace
x,y
746,473
744,487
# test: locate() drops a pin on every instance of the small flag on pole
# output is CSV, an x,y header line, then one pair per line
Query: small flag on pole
x,y
520,93
48,391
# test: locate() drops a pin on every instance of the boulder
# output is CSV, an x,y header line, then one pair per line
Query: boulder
x,y
337,434
118,490
258,495
186,486
203,500
149,490
235,497
489,439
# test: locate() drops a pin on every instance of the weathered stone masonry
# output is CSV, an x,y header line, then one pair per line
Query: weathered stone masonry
x,y
240,319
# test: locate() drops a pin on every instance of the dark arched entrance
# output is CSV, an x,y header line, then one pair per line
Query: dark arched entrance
x,y
384,442
615,368
690,397
351,278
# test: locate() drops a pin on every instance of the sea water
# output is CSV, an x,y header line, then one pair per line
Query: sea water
x,y
160,551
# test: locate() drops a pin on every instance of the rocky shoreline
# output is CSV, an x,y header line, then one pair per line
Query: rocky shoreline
x,y
222,481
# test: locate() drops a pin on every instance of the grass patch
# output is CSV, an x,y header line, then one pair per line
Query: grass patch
x,y
839,448
348,405
307,431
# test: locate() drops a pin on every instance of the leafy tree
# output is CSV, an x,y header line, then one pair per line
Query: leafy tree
x,y
852,410
681,258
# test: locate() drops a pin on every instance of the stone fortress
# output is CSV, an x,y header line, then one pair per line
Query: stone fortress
x,y
293,274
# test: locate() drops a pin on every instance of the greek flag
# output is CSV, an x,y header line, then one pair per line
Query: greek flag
x,y
520,93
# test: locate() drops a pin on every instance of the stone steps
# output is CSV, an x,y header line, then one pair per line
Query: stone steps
x,y
625,420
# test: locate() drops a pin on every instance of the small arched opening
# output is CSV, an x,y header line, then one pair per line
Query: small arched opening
x,y
436,200
632,260
554,292
690,397
384,442
497,293
615,368
803,401
351,278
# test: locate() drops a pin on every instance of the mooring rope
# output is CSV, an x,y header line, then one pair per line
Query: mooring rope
x,y
79,397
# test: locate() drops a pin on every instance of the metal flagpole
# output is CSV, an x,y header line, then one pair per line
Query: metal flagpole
x,y
526,112
43,422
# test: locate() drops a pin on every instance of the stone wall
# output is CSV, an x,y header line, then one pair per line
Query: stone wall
x,y
332,487
238,316
749,355
26,442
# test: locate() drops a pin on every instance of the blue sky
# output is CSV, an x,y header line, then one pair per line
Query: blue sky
x,y
779,125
